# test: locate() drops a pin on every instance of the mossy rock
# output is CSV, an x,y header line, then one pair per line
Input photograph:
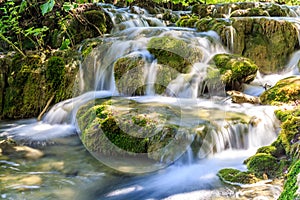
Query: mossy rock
x,y
290,133
240,9
287,143
268,42
284,91
237,177
124,127
32,81
264,164
292,184
187,21
55,70
270,150
129,75
92,23
234,70
174,53
249,12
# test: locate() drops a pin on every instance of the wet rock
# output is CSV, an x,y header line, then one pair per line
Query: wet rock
x,y
239,97
234,70
21,183
237,177
268,42
174,53
240,10
284,91
129,75
263,165
109,122
11,149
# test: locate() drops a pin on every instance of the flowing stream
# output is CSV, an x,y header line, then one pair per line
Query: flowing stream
x,y
68,171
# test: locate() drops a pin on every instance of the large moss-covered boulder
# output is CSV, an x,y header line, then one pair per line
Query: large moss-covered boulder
x,y
284,91
234,70
237,177
268,42
174,53
124,127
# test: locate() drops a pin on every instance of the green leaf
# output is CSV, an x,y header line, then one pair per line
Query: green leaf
x,y
47,7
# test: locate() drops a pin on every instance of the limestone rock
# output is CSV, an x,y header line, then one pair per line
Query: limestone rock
x,y
239,97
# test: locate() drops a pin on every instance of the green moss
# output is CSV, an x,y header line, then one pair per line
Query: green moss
x,y
284,91
187,21
291,184
270,150
234,70
268,42
234,176
129,75
289,133
55,71
174,53
32,81
93,23
129,126
263,164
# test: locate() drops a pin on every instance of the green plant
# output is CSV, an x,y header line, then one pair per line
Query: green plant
x,y
9,23
38,34
47,7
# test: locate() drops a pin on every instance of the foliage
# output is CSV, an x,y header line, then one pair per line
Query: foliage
x,y
47,7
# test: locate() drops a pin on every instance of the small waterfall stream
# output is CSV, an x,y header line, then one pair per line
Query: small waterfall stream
x,y
229,142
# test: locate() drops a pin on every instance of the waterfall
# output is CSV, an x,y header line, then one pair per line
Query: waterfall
x,y
124,18
131,34
151,72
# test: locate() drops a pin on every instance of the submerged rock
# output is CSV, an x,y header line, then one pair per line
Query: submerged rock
x,y
234,70
284,91
11,149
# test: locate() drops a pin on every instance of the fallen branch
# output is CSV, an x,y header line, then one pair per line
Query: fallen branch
x,y
46,108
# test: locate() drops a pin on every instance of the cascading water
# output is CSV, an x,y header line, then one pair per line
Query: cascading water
x,y
228,141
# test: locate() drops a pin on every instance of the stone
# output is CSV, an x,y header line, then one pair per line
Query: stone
x,y
284,91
